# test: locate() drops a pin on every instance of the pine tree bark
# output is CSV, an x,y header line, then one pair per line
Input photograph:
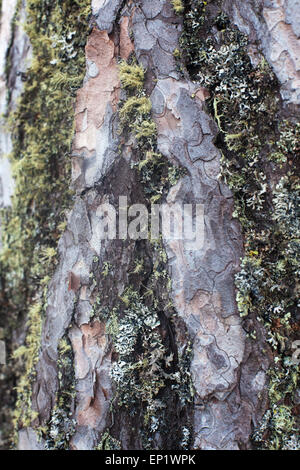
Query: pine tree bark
x,y
221,392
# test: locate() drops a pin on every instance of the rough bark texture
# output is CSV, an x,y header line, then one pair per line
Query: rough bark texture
x,y
74,394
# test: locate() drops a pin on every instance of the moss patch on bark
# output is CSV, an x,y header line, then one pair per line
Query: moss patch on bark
x,y
42,131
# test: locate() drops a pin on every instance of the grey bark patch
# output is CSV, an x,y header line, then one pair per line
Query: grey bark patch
x,y
2,353
28,440
293,15
147,37
224,284
79,223
206,151
84,311
215,357
85,438
97,164
153,8
107,15
163,62
143,40
158,101
166,31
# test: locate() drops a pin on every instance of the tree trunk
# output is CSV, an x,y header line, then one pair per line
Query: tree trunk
x,y
135,342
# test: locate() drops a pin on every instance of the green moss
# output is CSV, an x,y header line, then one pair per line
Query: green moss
x,y
177,53
135,107
28,353
256,143
178,6
42,129
106,268
42,132
131,75
145,130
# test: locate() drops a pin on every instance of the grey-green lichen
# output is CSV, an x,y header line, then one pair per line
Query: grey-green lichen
x,y
62,423
260,165
146,374
107,442
144,367
42,131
